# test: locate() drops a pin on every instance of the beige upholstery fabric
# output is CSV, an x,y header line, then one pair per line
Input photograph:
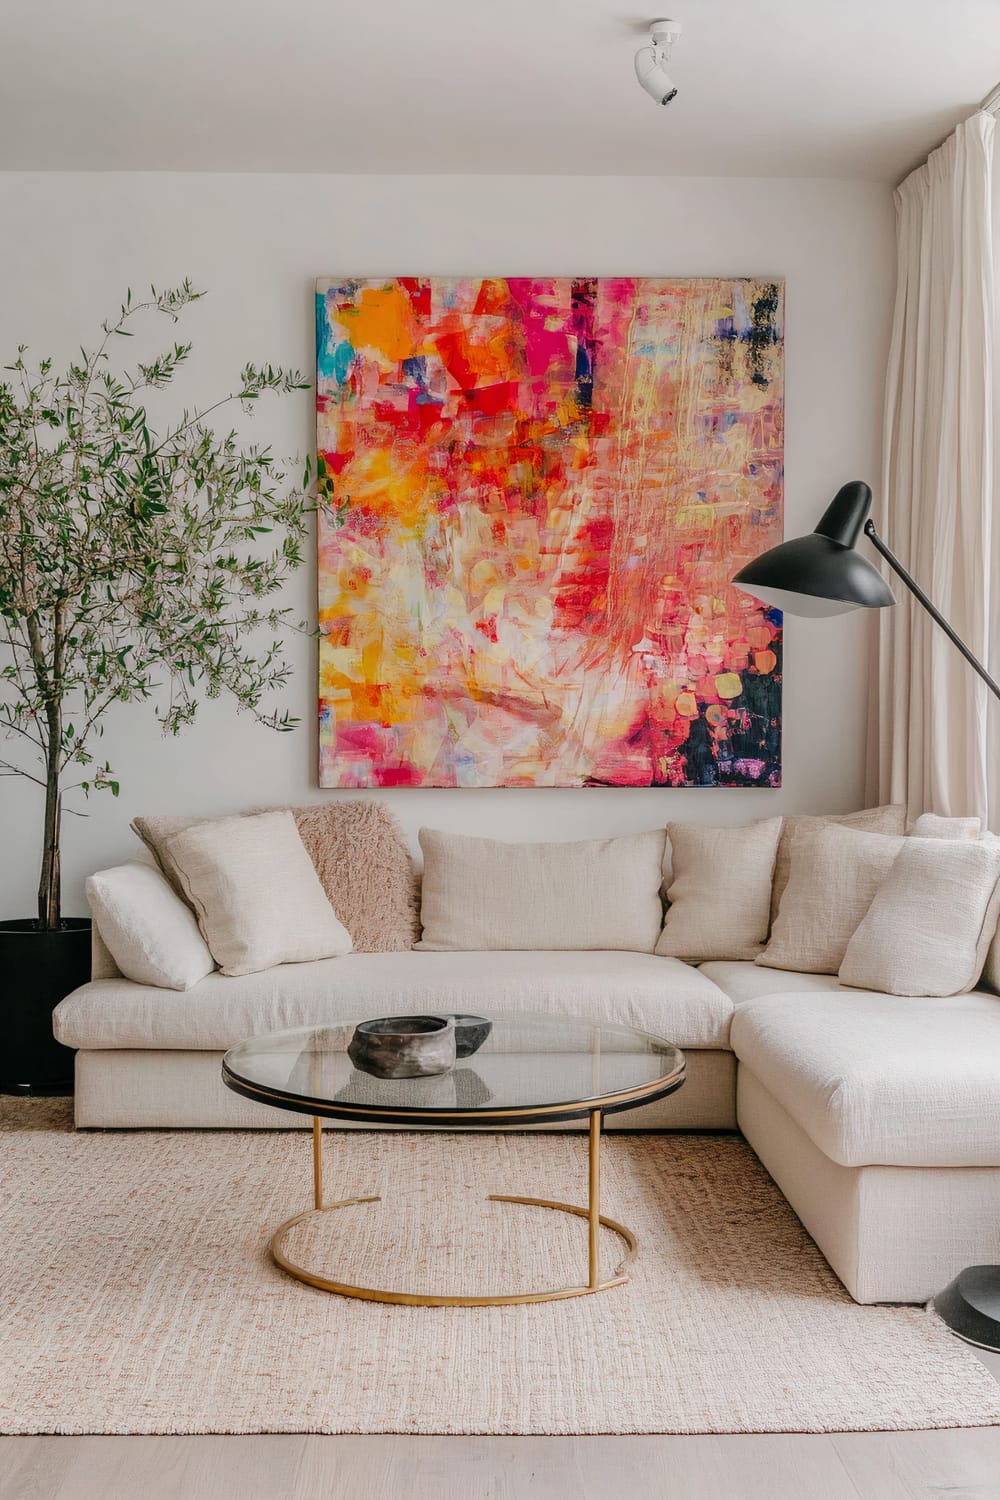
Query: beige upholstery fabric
x,y
834,874
139,1090
720,890
745,980
931,826
636,989
892,1234
931,922
148,930
255,892
881,1079
361,859
891,818
485,895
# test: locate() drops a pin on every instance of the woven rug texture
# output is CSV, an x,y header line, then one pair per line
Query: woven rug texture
x,y
138,1295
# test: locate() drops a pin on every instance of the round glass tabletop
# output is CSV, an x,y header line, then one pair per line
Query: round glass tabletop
x,y
530,1069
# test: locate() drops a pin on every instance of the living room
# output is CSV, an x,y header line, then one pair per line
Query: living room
x,y
498,697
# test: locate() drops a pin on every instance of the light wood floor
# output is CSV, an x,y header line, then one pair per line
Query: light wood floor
x,y
961,1465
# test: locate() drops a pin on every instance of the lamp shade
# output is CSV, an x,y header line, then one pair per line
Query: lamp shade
x,y
821,574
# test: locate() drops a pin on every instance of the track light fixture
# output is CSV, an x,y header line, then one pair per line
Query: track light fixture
x,y
651,61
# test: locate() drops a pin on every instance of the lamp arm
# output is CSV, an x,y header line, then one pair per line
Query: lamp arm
x,y
931,608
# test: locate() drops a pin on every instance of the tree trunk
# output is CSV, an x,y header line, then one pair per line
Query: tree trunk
x,y
49,885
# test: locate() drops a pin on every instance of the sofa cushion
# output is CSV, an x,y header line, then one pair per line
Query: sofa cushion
x,y
932,921
835,873
256,894
890,818
660,995
881,1079
746,980
480,894
719,890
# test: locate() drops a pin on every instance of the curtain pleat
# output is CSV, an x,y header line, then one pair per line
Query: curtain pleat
x,y
933,726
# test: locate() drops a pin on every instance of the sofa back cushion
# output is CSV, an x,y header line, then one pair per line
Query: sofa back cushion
x,y
361,859
931,921
719,890
255,892
890,818
833,877
481,894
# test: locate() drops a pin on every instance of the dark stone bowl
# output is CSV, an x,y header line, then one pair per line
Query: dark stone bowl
x,y
404,1046
470,1034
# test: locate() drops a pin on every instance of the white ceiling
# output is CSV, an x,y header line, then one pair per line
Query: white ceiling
x,y
854,88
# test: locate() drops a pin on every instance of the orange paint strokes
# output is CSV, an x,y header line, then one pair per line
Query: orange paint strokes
x,y
383,320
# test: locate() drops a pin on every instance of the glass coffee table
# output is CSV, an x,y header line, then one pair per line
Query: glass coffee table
x,y
531,1070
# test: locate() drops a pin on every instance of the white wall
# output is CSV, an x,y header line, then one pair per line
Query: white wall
x,y
72,243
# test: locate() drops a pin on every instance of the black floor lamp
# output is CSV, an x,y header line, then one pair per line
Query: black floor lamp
x,y
822,574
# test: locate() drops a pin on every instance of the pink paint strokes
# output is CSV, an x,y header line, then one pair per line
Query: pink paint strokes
x,y
535,493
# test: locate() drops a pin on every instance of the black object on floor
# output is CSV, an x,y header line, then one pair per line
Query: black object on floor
x,y
38,968
970,1305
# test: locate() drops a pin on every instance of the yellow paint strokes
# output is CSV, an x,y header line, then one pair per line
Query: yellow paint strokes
x,y
728,685
382,320
381,482
686,705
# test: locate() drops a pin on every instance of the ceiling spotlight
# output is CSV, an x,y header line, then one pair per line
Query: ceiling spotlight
x,y
651,61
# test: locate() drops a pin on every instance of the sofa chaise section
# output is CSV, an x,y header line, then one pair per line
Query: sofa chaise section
x,y
879,1118
151,1057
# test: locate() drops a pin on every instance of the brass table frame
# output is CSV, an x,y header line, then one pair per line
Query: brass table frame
x,y
592,1213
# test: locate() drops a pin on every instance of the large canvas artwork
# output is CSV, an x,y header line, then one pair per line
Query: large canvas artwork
x,y
535,492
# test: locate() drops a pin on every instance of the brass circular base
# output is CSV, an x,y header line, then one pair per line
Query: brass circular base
x,y
418,1299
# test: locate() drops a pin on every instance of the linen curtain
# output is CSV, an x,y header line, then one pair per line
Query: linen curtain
x,y
935,729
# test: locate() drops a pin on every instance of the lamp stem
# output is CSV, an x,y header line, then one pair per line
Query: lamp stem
x,y
931,608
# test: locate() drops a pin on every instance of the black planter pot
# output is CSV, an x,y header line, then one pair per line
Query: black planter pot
x,y
37,969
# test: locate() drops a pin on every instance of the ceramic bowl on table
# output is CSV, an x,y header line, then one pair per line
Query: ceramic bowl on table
x,y
404,1046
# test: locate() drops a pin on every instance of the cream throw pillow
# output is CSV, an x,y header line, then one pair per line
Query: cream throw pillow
x,y
255,892
149,932
833,877
890,818
482,894
933,826
932,920
719,890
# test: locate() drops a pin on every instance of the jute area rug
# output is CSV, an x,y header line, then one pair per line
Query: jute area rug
x,y
138,1295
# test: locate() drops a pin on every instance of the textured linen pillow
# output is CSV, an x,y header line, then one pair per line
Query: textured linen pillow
x,y
255,892
932,826
719,891
891,818
931,922
360,856
149,932
834,874
482,894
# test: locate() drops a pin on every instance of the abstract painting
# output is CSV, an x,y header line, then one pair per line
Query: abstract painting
x,y
534,492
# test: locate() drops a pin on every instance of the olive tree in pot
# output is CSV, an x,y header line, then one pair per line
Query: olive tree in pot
x,y
137,563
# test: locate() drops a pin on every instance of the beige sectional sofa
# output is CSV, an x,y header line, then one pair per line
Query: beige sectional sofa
x,y
878,1116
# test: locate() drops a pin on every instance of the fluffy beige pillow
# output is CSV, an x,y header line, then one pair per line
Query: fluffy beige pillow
x,y
360,856
719,890
931,921
481,894
255,892
891,818
833,876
